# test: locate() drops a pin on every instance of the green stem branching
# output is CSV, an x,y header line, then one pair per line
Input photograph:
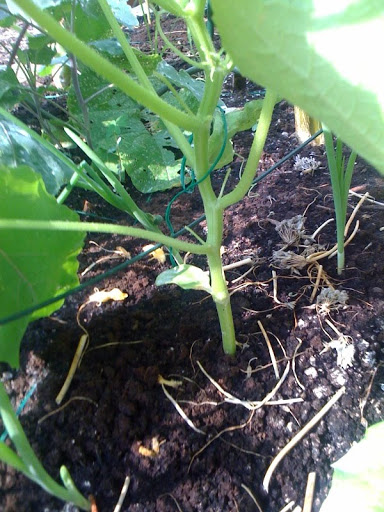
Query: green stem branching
x,y
106,69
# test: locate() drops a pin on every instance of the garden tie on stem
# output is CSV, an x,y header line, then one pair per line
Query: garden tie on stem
x,y
188,189
20,408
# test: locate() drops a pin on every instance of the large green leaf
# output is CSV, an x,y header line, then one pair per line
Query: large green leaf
x,y
19,145
357,483
6,19
34,265
123,13
182,79
43,4
90,22
321,55
123,140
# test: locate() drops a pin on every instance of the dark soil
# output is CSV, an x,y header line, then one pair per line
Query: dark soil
x,y
119,422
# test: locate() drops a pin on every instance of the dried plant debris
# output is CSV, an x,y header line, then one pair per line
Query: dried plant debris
x,y
306,164
345,350
311,248
330,299
291,231
288,260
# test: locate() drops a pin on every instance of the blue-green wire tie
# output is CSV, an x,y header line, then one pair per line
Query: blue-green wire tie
x,y
194,183
20,408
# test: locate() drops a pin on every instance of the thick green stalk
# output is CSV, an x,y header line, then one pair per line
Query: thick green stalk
x,y
214,218
107,70
220,293
250,170
94,227
27,461
214,214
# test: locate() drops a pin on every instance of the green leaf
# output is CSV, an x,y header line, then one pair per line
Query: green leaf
x,y
34,265
173,6
111,49
10,94
238,120
39,51
123,141
20,145
43,4
187,277
182,79
155,178
320,55
9,457
357,483
90,22
110,99
6,18
123,13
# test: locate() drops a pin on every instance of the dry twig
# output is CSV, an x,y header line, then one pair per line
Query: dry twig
x,y
307,427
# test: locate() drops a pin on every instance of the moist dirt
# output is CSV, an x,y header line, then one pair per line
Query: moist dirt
x,y
118,420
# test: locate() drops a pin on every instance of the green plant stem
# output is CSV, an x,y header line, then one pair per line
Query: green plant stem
x,y
80,100
214,217
250,170
107,70
16,45
173,48
76,84
27,461
207,53
214,214
93,227
68,188
214,76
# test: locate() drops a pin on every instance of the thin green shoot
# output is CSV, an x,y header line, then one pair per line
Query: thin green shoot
x,y
26,461
341,177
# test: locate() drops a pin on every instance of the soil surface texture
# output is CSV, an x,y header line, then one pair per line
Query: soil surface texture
x,y
156,400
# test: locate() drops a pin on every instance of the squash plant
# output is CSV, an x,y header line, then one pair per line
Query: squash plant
x,y
298,50
319,55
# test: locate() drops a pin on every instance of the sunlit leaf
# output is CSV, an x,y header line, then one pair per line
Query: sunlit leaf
x,y
20,145
90,22
123,140
34,265
182,79
123,13
111,49
320,55
358,478
187,277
